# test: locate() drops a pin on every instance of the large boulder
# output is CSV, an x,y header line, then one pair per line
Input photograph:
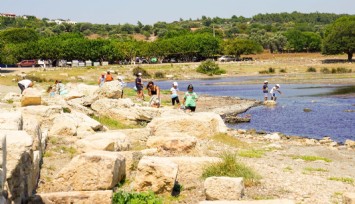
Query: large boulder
x,y
198,124
21,175
224,188
84,120
107,141
91,171
11,120
110,89
157,174
44,114
30,97
124,110
102,197
64,125
173,143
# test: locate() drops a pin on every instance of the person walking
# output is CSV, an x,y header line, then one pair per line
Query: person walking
x,y
139,87
174,94
266,90
273,92
190,99
154,92
24,84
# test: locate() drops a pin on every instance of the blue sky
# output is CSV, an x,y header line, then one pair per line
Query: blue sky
x,y
152,11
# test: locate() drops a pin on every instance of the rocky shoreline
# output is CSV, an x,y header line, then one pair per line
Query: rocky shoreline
x,y
67,155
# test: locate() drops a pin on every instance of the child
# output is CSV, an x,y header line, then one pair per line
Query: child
x,y
273,91
51,91
265,90
174,94
122,84
190,99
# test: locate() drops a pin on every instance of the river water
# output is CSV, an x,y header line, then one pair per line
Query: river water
x,y
329,116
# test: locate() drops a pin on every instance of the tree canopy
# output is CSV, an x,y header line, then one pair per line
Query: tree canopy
x,y
340,37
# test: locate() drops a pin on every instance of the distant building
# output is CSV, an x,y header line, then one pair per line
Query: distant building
x,y
9,15
60,21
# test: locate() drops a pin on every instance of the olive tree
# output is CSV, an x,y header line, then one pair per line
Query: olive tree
x,y
340,37
240,46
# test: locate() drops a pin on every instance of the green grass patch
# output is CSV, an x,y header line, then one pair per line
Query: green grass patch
x,y
229,140
311,169
48,154
342,179
122,197
67,150
115,124
288,169
229,166
252,153
311,158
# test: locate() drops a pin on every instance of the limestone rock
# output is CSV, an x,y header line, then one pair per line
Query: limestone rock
x,y
10,120
84,120
272,136
198,124
92,171
349,198
64,125
183,143
124,110
110,89
224,188
11,97
157,174
350,144
102,197
270,103
44,114
277,201
107,141
30,97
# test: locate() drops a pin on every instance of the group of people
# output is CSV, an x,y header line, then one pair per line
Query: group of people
x,y
189,100
272,91
57,88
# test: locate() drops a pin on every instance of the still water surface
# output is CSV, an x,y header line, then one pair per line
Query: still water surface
x,y
328,116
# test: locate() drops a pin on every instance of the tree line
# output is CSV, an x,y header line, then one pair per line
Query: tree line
x,y
30,40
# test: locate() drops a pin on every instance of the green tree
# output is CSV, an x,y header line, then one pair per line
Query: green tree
x,y
19,35
340,37
239,46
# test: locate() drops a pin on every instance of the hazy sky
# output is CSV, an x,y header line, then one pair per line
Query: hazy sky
x,y
152,11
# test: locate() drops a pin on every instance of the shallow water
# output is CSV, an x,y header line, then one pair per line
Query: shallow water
x,y
328,116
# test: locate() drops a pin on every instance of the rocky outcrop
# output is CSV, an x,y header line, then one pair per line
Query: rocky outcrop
x,y
10,120
157,174
30,97
110,89
202,124
92,171
63,125
107,141
224,188
173,143
102,197
124,110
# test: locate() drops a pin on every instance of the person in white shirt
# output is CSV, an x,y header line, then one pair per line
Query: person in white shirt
x,y
174,94
274,90
24,84
122,84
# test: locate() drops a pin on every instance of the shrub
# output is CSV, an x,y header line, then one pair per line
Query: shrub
x,y
283,71
159,75
229,166
137,70
343,70
271,70
311,69
210,67
122,197
325,70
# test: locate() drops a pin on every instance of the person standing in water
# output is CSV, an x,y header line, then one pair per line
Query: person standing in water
x,y
273,92
266,90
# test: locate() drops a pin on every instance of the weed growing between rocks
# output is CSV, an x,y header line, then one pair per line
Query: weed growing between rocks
x,y
252,153
229,140
311,158
114,124
342,179
229,166
122,197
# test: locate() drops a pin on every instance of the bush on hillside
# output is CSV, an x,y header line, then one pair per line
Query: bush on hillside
x,y
311,69
210,67
122,197
137,70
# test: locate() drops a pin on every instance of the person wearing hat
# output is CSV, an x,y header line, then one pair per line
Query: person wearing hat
x,y
266,90
274,90
139,87
174,94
